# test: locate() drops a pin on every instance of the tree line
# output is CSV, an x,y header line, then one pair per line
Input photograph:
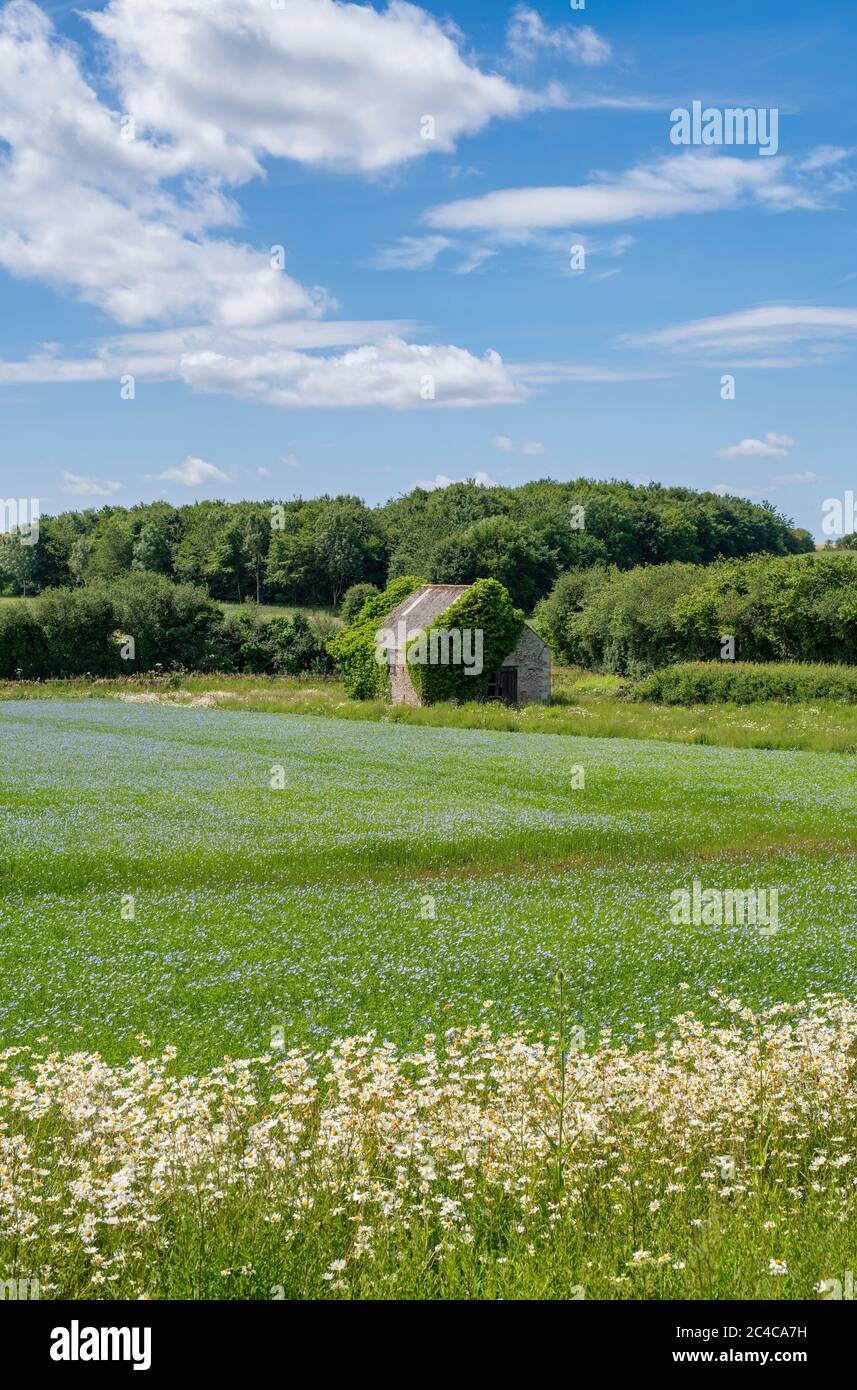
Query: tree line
x,y
142,622
766,608
310,551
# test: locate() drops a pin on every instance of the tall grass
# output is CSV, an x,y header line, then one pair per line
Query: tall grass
x,y
582,703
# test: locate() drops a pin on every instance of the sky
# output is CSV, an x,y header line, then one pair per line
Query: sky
x,y
277,248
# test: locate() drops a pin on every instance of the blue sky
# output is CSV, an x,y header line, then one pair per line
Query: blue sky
x,y
426,323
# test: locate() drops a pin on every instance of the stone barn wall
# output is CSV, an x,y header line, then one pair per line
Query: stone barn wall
x,y
530,655
402,690
533,660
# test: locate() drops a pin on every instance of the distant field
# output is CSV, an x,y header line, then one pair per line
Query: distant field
x,y
279,610
265,610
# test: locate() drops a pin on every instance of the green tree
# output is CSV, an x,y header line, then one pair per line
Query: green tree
x,y
347,547
153,548
112,546
554,617
255,540
497,548
353,600
292,567
19,564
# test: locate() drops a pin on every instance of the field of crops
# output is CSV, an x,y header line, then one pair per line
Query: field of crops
x,y
227,881
305,903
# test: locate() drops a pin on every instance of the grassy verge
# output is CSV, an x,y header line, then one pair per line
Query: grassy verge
x,y
582,704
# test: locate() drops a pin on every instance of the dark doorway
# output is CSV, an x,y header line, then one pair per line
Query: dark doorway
x,y
503,685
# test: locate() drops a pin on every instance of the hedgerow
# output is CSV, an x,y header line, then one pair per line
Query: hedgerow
x,y
618,620
746,683
794,608
83,631
800,608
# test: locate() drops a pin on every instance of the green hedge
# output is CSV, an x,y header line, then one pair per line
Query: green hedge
x,y
617,620
23,644
79,632
78,627
746,683
795,608
288,646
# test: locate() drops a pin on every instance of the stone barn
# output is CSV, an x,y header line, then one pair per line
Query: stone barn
x,y
524,676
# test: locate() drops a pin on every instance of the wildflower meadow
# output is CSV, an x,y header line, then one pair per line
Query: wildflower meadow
x,y
309,1008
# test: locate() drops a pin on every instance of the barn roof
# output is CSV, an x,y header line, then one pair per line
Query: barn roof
x,y
421,608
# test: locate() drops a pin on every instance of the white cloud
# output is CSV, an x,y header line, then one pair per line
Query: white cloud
x,y
44,367
441,480
478,256
772,446
411,253
127,224
420,252
391,373
290,461
262,366
694,182
793,479
527,34
776,335
529,447
724,490
270,365
774,482
84,209
262,473
824,156
548,373
192,472
86,486
157,355
343,86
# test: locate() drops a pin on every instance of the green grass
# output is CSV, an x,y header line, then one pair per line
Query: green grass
x,y
256,905
582,704
280,610
401,875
